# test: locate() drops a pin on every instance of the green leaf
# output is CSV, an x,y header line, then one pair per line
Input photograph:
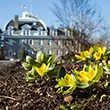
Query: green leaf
x,y
102,96
106,84
63,107
69,91
29,79
82,85
106,68
60,90
30,60
52,73
34,73
39,57
108,53
61,73
99,74
74,107
31,75
47,58
53,57
52,67
26,66
30,84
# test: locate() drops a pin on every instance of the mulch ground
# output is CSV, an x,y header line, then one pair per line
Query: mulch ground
x,y
16,95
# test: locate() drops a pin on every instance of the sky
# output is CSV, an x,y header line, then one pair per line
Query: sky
x,y
41,8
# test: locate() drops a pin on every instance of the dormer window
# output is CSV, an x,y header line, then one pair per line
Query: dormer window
x,y
40,30
26,29
53,32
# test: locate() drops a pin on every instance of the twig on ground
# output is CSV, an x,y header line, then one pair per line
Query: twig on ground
x,y
7,97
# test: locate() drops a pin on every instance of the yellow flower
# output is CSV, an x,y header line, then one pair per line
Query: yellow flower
x,y
67,81
99,53
84,54
43,69
84,76
101,50
66,85
90,50
92,72
80,57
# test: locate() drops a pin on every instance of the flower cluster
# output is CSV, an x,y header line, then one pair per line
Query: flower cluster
x,y
80,79
39,67
89,75
96,53
95,65
69,82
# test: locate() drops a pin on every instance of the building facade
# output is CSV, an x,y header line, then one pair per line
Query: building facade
x,y
32,33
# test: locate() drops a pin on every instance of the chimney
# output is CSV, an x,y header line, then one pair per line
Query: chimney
x,y
16,22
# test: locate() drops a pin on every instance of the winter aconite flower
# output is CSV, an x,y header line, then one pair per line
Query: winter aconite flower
x,y
87,76
99,53
84,54
43,69
67,82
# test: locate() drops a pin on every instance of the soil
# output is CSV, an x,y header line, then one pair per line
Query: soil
x,y
16,95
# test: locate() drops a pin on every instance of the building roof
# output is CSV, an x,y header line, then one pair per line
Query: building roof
x,y
26,18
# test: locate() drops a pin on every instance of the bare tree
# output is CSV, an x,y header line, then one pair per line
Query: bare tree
x,y
105,34
80,14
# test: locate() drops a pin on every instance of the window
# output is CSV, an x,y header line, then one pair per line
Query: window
x,y
31,42
49,42
58,42
40,32
49,52
40,42
26,32
55,33
67,33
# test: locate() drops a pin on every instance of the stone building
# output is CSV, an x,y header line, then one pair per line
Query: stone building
x,y
33,34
